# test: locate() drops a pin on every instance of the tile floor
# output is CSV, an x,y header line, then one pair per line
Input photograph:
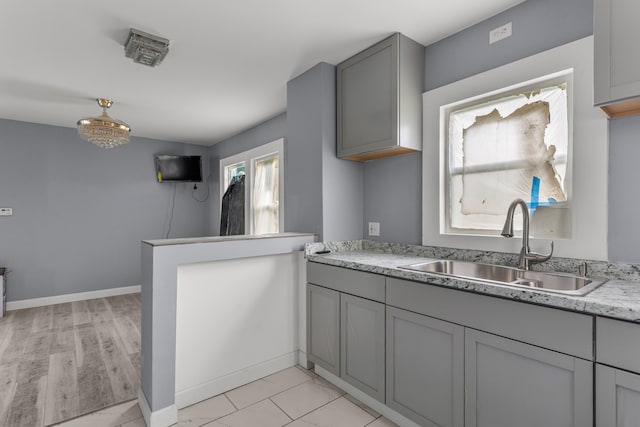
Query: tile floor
x,y
293,397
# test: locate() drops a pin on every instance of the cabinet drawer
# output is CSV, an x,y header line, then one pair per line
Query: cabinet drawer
x,y
359,283
558,330
618,344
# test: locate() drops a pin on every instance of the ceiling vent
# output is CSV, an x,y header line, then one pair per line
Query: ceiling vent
x,y
145,48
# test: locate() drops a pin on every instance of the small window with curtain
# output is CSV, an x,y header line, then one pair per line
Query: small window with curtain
x,y
251,191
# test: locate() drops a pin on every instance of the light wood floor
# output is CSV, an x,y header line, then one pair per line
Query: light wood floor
x,y
61,361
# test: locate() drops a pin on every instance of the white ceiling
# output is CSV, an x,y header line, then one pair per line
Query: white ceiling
x,y
228,62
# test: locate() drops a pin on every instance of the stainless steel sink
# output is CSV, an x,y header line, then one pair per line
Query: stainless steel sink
x,y
509,276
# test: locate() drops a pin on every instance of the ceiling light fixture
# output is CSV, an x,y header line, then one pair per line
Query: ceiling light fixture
x,y
104,131
145,48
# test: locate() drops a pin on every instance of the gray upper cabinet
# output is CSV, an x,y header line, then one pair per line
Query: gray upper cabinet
x,y
509,383
425,369
379,103
617,63
323,328
362,344
617,398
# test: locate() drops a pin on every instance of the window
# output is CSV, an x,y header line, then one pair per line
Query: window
x,y
586,180
261,171
504,146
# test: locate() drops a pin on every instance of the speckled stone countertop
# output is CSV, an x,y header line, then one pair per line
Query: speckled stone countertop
x,y
618,298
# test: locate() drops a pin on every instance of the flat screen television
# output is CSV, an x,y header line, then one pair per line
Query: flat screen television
x,y
171,168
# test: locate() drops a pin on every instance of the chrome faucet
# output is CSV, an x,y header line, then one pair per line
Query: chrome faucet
x,y
527,258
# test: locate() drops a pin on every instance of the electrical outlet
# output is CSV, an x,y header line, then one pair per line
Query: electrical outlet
x,y
500,33
6,211
374,229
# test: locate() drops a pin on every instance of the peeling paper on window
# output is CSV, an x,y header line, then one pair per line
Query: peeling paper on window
x,y
500,150
501,155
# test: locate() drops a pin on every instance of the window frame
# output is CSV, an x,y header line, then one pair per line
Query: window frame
x,y
559,77
249,157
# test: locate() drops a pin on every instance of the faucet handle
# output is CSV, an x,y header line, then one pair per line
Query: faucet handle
x,y
582,269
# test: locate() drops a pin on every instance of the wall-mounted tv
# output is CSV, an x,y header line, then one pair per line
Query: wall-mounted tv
x,y
170,168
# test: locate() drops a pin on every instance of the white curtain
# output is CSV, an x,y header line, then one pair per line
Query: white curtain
x,y
266,204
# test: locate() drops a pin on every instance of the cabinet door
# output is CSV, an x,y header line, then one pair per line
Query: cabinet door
x,y
509,383
425,367
362,344
617,398
367,99
617,64
323,327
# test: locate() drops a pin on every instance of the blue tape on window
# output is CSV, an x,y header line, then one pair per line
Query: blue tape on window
x,y
535,193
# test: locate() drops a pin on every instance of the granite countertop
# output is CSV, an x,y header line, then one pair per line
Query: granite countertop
x,y
618,298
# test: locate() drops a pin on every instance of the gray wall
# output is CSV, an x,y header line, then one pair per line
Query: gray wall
x,y
303,167
261,134
323,194
342,180
392,188
393,197
624,193
538,25
80,212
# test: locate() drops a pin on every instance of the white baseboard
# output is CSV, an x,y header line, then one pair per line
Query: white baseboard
x,y
379,407
162,418
60,299
230,381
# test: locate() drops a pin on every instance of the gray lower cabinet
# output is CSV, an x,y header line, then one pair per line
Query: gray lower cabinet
x,y
442,357
425,368
509,383
362,341
617,398
323,327
618,384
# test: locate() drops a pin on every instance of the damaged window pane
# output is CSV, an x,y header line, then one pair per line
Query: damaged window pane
x,y
508,148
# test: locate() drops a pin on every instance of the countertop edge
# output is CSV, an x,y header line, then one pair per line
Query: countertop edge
x,y
221,239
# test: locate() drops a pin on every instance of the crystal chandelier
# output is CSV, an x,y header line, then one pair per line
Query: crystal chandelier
x,y
104,131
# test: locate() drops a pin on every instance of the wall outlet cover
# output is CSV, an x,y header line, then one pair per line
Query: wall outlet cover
x,y
374,229
500,33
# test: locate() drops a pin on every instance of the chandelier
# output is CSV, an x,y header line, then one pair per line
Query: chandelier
x,y
104,131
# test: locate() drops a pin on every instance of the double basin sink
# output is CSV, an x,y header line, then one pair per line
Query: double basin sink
x,y
508,276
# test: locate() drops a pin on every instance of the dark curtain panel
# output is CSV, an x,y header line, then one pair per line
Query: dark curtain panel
x,y
232,217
